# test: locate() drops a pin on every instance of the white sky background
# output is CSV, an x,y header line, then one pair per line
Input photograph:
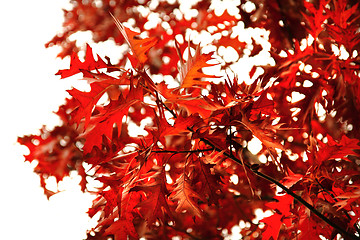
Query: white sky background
x,y
29,93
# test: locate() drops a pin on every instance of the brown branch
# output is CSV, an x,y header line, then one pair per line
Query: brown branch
x,y
287,190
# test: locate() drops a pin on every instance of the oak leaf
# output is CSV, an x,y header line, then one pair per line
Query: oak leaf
x,y
156,205
77,66
121,229
138,46
341,149
87,100
186,197
191,70
282,215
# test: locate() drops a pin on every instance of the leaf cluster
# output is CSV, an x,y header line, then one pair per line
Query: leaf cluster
x,y
171,142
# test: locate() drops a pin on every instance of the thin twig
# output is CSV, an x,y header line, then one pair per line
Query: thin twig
x,y
246,174
183,151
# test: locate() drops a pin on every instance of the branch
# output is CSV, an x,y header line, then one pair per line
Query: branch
x,y
183,151
287,190
166,107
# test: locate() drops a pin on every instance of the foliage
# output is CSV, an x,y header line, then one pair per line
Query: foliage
x,y
192,172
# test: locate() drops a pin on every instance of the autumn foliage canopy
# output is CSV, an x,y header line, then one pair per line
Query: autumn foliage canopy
x,y
168,127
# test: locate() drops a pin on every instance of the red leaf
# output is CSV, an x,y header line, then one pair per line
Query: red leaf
x,y
139,47
318,17
333,149
348,197
56,154
197,105
121,229
155,206
281,216
190,71
292,179
263,106
273,224
76,66
102,124
182,125
265,135
87,100
210,183
186,197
